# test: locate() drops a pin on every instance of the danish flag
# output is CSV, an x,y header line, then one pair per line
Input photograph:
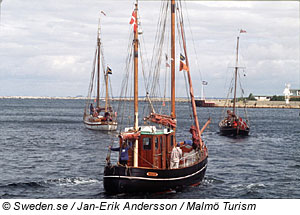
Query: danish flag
x,y
133,21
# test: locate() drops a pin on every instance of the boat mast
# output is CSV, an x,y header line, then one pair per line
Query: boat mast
x,y
106,90
191,88
235,74
98,67
136,107
173,114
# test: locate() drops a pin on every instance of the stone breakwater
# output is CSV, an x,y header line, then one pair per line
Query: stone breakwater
x,y
217,102
255,104
40,97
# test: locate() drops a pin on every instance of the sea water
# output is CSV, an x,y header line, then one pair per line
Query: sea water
x,y
46,152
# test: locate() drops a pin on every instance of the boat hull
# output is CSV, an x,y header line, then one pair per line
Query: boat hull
x,y
234,131
101,126
119,179
202,103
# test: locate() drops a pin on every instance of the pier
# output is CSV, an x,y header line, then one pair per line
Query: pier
x,y
217,102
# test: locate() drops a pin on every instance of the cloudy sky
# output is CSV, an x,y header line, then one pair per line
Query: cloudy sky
x,y
47,47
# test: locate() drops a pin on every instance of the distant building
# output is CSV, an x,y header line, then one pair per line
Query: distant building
x,y
295,92
263,98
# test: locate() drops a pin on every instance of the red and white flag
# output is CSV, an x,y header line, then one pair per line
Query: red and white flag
x,y
243,31
133,21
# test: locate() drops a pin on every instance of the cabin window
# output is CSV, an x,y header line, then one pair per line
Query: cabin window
x,y
156,143
147,143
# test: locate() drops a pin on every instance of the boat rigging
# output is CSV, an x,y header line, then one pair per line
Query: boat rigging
x,y
232,124
151,147
100,117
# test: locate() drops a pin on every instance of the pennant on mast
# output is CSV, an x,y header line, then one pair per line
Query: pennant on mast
x,y
108,70
183,66
182,57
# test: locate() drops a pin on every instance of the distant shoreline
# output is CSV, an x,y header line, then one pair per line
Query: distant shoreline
x,y
257,104
40,97
217,102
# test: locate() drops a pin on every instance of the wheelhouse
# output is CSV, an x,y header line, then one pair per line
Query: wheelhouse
x,y
154,147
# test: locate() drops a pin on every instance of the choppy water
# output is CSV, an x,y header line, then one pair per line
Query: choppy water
x,y
45,152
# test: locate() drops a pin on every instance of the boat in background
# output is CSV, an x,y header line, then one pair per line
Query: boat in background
x,y
150,146
232,124
97,117
203,103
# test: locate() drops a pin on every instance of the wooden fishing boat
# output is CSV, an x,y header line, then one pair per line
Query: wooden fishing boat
x,y
98,117
232,124
150,155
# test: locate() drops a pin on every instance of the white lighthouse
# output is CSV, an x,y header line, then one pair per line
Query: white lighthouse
x,y
287,93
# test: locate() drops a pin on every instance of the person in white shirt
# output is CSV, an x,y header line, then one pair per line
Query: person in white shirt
x,y
176,156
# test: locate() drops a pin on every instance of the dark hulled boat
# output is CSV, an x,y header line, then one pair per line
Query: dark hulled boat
x,y
232,124
150,154
135,180
233,129
203,103
153,173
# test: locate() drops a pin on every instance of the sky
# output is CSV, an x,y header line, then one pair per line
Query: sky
x,y
47,47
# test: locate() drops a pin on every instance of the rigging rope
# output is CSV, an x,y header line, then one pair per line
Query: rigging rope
x,y
155,71
180,20
195,50
91,84
122,105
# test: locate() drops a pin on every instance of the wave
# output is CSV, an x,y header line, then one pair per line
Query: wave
x,y
210,180
296,166
42,121
72,181
52,182
23,185
249,186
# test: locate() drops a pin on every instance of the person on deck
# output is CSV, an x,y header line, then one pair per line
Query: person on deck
x,y
98,110
107,116
91,109
95,113
123,156
229,115
176,155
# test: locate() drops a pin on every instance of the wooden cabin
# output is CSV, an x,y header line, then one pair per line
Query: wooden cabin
x,y
155,147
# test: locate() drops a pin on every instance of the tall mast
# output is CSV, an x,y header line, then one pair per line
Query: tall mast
x,y
235,73
98,67
173,114
191,88
106,90
136,107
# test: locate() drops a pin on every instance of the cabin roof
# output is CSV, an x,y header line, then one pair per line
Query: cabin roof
x,y
150,130
157,132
